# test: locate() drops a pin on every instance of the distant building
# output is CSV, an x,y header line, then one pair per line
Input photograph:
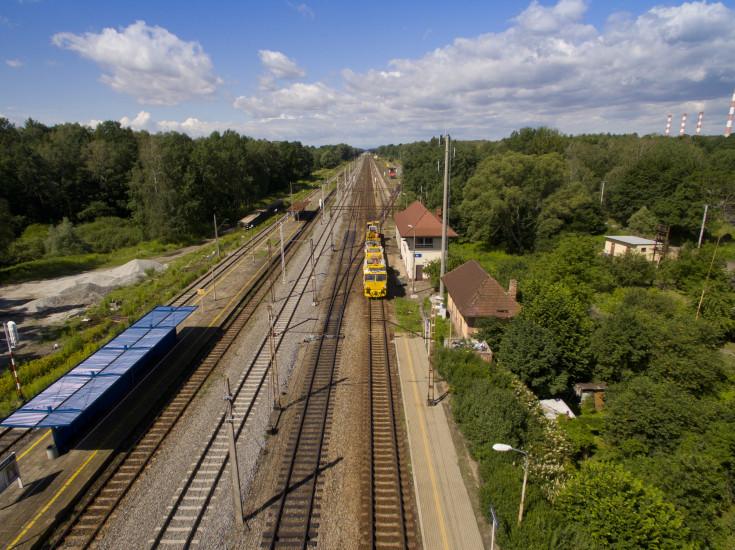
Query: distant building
x,y
416,225
618,246
474,294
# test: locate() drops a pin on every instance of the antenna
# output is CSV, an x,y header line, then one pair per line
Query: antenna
x,y
729,118
668,126
683,124
699,122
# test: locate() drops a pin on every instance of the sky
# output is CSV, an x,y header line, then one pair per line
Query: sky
x,y
369,73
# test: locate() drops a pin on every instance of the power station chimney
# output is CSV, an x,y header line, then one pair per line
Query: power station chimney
x,y
683,124
729,119
668,126
699,122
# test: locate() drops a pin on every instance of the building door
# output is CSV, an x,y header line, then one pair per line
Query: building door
x,y
419,272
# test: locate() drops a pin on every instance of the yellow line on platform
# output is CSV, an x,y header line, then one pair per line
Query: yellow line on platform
x,y
426,449
53,499
29,449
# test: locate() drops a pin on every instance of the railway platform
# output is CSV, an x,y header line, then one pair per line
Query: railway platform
x,y
445,511
53,484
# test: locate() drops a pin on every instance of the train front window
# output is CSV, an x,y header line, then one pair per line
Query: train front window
x,y
369,278
381,278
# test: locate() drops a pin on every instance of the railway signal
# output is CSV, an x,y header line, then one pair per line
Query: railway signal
x,y
11,337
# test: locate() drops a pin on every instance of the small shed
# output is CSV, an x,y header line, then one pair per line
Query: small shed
x,y
619,245
589,390
474,294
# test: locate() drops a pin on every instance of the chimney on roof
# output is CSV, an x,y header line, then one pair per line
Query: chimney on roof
x,y
438,211
512,288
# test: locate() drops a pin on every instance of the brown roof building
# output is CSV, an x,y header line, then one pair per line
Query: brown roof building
x,y
474,294
419,236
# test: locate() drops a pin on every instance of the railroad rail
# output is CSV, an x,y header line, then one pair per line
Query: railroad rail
x,y
130,464
179,527
294,516
387,521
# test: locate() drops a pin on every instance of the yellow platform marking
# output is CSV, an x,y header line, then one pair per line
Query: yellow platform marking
x,y
53,499
426,449
28,450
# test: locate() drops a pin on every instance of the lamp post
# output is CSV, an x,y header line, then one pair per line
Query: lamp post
x,y
502,447
413,278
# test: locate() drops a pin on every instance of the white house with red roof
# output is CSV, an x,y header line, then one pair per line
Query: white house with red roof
x,y
419,238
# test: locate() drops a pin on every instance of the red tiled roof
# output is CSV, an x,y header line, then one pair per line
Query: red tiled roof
x,y
477,294
425,223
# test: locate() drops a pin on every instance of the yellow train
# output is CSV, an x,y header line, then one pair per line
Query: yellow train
x,y
374,272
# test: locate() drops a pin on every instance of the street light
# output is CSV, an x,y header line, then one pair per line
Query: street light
x,y
502,447
413,279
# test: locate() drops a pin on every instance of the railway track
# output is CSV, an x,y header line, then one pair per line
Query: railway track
x,y
130,464
294,517
10,439
387,522
179,527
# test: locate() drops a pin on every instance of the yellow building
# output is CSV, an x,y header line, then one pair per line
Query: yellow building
x,y
618,246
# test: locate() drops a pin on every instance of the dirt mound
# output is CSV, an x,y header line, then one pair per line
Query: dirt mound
x,y
87,288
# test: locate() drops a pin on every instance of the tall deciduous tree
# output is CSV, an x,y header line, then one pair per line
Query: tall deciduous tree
x,y
504,197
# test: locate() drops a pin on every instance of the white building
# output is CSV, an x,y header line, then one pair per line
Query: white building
x,y
618,246
419,235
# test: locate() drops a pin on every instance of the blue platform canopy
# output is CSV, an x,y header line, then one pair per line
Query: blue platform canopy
x,y
97,381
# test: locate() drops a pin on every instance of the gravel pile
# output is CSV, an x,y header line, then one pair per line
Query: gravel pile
x,y
87,289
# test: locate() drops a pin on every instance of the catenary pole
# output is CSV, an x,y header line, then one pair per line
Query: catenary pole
x,y
443,264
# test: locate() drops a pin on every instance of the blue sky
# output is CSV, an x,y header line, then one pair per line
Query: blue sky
x,y
369,73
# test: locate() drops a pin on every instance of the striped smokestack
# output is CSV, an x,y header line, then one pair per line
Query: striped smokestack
x,y
668,126
683,124
729,119
699,122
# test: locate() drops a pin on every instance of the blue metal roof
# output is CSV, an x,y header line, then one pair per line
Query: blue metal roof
x,y
83,388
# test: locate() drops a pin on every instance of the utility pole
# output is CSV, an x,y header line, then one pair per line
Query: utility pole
x,y
443,265
274,364
701,231
234,468
283,259
216,237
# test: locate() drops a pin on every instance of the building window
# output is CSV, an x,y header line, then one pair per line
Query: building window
x,y
424,242
643,249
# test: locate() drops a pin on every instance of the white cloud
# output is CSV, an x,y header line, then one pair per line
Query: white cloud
x,y
149,63
297,98
549,67
303,9
142,121
14,63
281,66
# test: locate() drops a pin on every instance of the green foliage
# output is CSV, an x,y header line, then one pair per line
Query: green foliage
x,y
558,309
621,512
63,240
433,268
530,352
645,415
30,246
632,269
643,223
502,201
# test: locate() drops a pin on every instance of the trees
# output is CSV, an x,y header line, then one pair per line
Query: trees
x,y
530,352
619,511
503,199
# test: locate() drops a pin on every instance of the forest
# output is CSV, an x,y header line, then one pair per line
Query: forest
x,y
72,189
654,467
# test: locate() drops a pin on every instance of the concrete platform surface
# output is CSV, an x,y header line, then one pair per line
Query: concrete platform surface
x,y
445,512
